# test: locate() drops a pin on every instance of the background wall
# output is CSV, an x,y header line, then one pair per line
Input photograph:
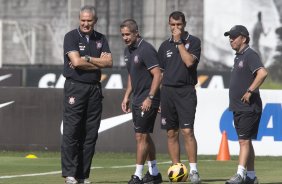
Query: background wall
x,y
40,39
31,119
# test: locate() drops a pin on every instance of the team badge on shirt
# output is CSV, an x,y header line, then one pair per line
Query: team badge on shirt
x,y
136,59
99,44
163,121
187,45
241,64
71,100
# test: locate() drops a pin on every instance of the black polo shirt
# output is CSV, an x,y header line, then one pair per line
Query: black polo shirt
x,y
77,41
243,73
140,58
175,72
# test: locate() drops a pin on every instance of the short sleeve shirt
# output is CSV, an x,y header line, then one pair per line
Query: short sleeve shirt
x,y
140,58
246,64
175,72
94,45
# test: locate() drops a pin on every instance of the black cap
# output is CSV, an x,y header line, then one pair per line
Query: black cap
x,y
236,31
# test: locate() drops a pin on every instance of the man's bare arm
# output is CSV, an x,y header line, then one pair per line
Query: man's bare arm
x,y
80,62
104,61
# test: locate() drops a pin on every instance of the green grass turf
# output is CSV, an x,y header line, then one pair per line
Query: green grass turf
x,y
270,84
269,169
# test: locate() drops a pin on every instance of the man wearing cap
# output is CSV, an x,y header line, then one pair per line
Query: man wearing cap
x,y
247,75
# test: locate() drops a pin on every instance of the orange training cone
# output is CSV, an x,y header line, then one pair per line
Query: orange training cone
x,y
223,154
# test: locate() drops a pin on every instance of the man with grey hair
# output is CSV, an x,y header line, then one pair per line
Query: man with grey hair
x,y
86,51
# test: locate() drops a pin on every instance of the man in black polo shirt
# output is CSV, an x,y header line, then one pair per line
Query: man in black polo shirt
x,y
85,52
144,77
247,74
179,57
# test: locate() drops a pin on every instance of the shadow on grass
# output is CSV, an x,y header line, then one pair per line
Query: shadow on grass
x,y
205,181
111,182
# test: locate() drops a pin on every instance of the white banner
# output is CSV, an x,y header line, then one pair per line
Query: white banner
x,y
213,117
1,40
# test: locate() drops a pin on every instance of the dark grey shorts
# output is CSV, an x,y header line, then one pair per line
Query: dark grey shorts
x,y
178,107
144,121
246,124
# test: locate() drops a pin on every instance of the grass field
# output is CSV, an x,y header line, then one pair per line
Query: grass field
x,y
117,168
270,84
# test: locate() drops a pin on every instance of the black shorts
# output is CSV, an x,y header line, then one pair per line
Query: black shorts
x,y
246,124
178,107
144,121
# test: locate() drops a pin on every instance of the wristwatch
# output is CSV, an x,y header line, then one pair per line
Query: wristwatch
x,y
250,91
151,97
87,58
179,42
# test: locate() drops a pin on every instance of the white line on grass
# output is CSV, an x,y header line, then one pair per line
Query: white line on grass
x,y
38,174
59,172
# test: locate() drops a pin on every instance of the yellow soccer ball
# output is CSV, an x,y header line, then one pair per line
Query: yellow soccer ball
x,y
177,173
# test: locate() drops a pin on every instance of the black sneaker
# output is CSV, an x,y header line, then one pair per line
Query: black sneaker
x,y
150,179
135,180
251,181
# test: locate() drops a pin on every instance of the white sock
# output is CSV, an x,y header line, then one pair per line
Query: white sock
x,y
242,171
251,174
139,170
153,169
193,167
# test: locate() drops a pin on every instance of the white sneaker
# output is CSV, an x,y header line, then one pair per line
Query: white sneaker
x,y
195,177
236,179
84,181
70,180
